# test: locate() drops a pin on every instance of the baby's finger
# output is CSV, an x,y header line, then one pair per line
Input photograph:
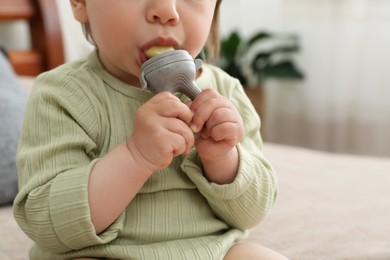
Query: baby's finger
x,y
228,132
203,112
174,108
182,130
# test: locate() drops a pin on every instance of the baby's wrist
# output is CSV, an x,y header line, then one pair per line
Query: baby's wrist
x,y
222,170
138,160
220,159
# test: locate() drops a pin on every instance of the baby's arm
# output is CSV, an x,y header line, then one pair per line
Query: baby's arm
x,y
66,179
221,128
246,199
160,133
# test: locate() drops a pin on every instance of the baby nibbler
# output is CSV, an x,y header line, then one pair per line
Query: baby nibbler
x,y
173,71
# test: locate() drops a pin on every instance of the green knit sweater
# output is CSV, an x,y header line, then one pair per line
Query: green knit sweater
x,y
76,114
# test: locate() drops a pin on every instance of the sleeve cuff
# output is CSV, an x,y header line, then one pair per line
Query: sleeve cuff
x,y
70,214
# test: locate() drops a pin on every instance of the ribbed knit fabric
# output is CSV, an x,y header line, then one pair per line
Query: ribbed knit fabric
x,y
76,114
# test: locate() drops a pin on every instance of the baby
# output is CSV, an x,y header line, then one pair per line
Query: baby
x,y
109,170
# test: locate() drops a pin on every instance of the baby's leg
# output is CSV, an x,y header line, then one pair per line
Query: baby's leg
x,y
252,251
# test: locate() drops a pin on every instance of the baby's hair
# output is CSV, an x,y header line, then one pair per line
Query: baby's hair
x,y
212,44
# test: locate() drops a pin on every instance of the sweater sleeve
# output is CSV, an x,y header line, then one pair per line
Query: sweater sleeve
x,y
56,153
246,201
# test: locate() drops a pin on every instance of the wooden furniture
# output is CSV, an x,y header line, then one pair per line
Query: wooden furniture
x,y
45,33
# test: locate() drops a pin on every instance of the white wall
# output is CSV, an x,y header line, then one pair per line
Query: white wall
x,y
75,44
250,15
14,34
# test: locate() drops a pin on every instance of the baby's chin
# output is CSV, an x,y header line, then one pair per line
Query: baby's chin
x,y
130,78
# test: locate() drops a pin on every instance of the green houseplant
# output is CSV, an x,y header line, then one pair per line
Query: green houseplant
x,y
261,56
255,59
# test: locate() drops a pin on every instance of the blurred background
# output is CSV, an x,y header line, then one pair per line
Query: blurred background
x,y
343,102
320,69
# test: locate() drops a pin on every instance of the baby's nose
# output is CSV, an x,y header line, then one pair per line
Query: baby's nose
x,y
163,11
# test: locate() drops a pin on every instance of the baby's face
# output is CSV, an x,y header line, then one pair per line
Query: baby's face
x,y
124,30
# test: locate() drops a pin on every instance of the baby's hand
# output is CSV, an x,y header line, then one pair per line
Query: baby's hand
x,y
161,131
219,123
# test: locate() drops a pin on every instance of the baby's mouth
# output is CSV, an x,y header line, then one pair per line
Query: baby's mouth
x,y
156,50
